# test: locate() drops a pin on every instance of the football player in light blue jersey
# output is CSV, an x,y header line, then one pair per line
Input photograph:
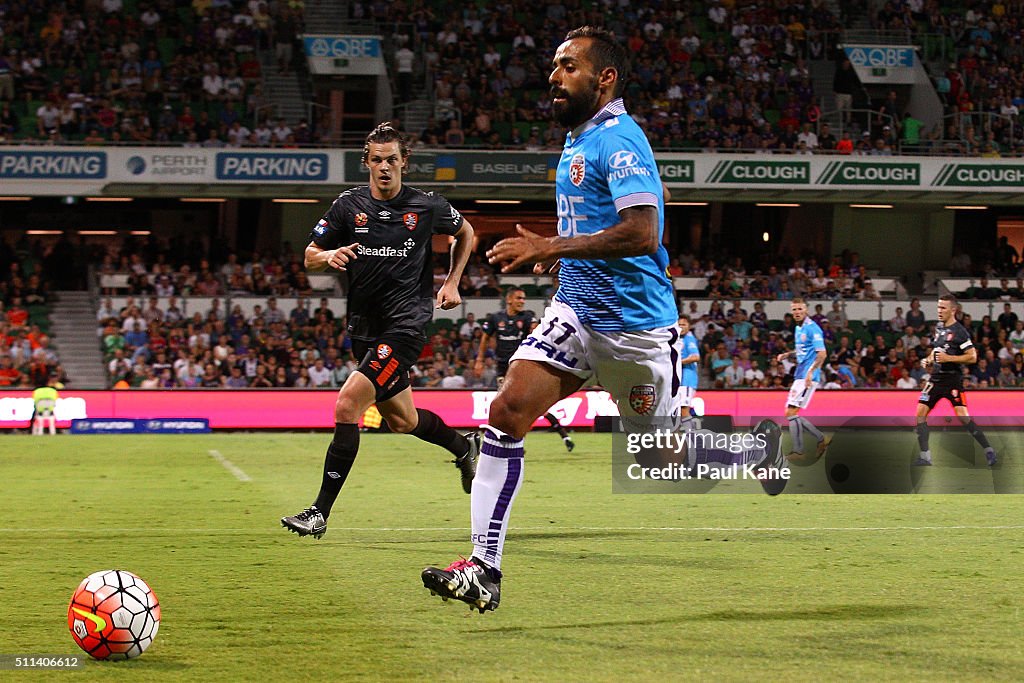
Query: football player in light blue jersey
x,y
689,359
613,317
810,355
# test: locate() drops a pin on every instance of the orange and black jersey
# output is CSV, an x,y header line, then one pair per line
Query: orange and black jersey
x,y
391,281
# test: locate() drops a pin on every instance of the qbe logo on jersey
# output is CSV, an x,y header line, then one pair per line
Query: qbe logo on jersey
x,y
577,170
255,166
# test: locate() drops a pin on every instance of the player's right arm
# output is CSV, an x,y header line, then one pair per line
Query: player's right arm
x,y
478,366
318,259
694,356
324,249
636,234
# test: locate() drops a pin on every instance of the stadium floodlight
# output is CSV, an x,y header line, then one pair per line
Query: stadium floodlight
x,y
110,199
777,204
97,232
203,200
686,203
282,200
498,201
966,207
870,206
44,232
15,199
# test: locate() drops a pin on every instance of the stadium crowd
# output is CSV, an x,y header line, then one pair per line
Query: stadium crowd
x,y
982,42
157,340
713,77
145,72
27,360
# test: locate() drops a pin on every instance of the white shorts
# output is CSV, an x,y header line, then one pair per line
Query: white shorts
x,y
800,393
635,367
685,396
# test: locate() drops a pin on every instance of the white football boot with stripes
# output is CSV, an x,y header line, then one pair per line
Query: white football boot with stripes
x,y
465,580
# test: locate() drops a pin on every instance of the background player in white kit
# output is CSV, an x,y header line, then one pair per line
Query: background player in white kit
x,y
689,360
810,355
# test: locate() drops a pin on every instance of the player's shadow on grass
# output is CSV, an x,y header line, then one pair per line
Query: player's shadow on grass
x,y
836,613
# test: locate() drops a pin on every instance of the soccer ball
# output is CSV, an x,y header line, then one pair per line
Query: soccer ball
x,y
113,615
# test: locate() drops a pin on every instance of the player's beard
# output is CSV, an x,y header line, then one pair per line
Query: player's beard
x,y
577,108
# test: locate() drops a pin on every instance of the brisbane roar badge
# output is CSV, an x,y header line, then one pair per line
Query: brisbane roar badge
x,y
410,219
383,351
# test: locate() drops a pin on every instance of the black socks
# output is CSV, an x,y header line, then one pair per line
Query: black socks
x,y
340,456
432,429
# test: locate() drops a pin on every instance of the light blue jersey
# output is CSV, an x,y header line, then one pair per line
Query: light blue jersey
x,y
690,347
809,340
608,166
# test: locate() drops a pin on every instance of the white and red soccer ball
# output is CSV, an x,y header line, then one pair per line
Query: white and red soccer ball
x,y
114,615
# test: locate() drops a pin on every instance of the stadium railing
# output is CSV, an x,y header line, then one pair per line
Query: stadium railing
x,y
320,282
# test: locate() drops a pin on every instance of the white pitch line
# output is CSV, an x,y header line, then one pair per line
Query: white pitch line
x,y
1008,527
230,466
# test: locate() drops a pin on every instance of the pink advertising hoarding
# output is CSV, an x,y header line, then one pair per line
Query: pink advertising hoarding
x,y
299,409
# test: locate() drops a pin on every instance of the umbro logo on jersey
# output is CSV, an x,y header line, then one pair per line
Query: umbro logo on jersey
x,y
577,170
384,215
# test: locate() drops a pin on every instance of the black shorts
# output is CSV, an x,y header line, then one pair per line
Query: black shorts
x,y
386,361
950,389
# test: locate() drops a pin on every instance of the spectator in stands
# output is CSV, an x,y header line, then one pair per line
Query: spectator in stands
x,y
915,316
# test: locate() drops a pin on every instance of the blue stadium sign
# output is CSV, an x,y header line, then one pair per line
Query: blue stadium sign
x,y
873,56
255,166
53,165
348,47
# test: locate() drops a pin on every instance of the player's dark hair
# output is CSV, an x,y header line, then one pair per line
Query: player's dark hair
x,y
684,316
950,298
605,51
798,300
383,134
512,290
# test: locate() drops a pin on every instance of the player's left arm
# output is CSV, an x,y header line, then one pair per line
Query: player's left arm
x,y
448,296
819,362
820,355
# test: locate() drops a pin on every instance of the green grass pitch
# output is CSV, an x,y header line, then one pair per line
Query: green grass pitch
x,y
597,586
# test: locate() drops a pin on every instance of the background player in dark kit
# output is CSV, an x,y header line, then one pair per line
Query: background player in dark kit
x,y
510,326
380,235
951,348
